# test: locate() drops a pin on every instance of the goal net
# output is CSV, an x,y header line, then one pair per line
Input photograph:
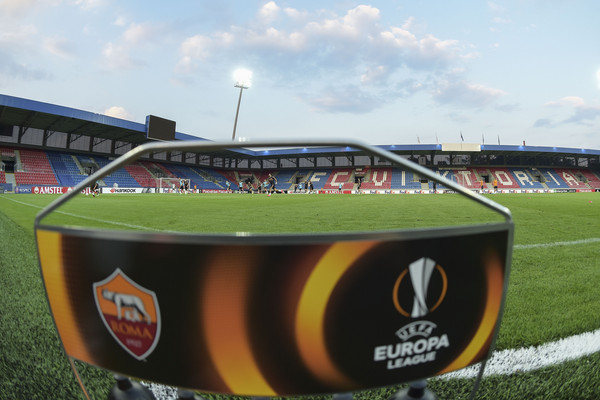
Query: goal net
x,y
172,185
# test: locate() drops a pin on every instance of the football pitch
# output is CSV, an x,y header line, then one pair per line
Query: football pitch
x,y
553,290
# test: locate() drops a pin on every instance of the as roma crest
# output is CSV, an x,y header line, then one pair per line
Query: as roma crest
x,y
130,313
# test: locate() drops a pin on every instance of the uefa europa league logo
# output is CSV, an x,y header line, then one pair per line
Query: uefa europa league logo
x,y
420,274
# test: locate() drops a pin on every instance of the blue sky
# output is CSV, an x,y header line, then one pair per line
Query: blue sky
x,y
386,72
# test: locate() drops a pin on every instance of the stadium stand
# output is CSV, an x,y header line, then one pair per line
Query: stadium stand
x,y
485,175
592,180
141,175
65,168
445,173
158,170
245,177
7,152
196,176
345,177
208,178
35,169
286,180
572,178
377,179
318,178
261,176
524,178
38,167
552,179
504,177
402,179
229,176
120,177
467,178
31,156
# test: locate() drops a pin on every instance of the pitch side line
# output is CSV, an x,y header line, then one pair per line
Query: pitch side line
x,y
90,218
570,243
505,362
509,361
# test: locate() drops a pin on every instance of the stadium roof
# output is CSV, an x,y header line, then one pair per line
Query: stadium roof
x,y
427,149
35,114
49,117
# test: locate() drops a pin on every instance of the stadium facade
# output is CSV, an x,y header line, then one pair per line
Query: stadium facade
x,y
50,146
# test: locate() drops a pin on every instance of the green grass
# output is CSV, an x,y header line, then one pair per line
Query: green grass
x,y
32,364
553,291
222,213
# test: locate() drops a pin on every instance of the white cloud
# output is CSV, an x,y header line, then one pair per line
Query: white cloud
x,y
569,101
433,49
118,112
362,17
495,7
17,35
121,21
399,38
344,42
118,57
355,25
139,33
375,74
402,47
345,99
353,48
89,4
276,39
120,54
196,47
295,14
409,24
460,92
17,8
574,110
59,46
268,12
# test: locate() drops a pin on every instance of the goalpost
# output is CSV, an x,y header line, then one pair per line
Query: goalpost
x,y
171,185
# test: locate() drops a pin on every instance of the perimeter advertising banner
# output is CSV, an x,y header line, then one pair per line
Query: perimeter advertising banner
x,y
270,317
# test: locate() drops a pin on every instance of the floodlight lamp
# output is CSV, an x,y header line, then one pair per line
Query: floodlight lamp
x,y
243,78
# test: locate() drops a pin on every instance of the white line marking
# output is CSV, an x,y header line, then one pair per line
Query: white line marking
x,y
509,361
505,362
90,218
570,243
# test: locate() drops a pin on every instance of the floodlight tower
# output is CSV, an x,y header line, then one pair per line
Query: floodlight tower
x,y
243,80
